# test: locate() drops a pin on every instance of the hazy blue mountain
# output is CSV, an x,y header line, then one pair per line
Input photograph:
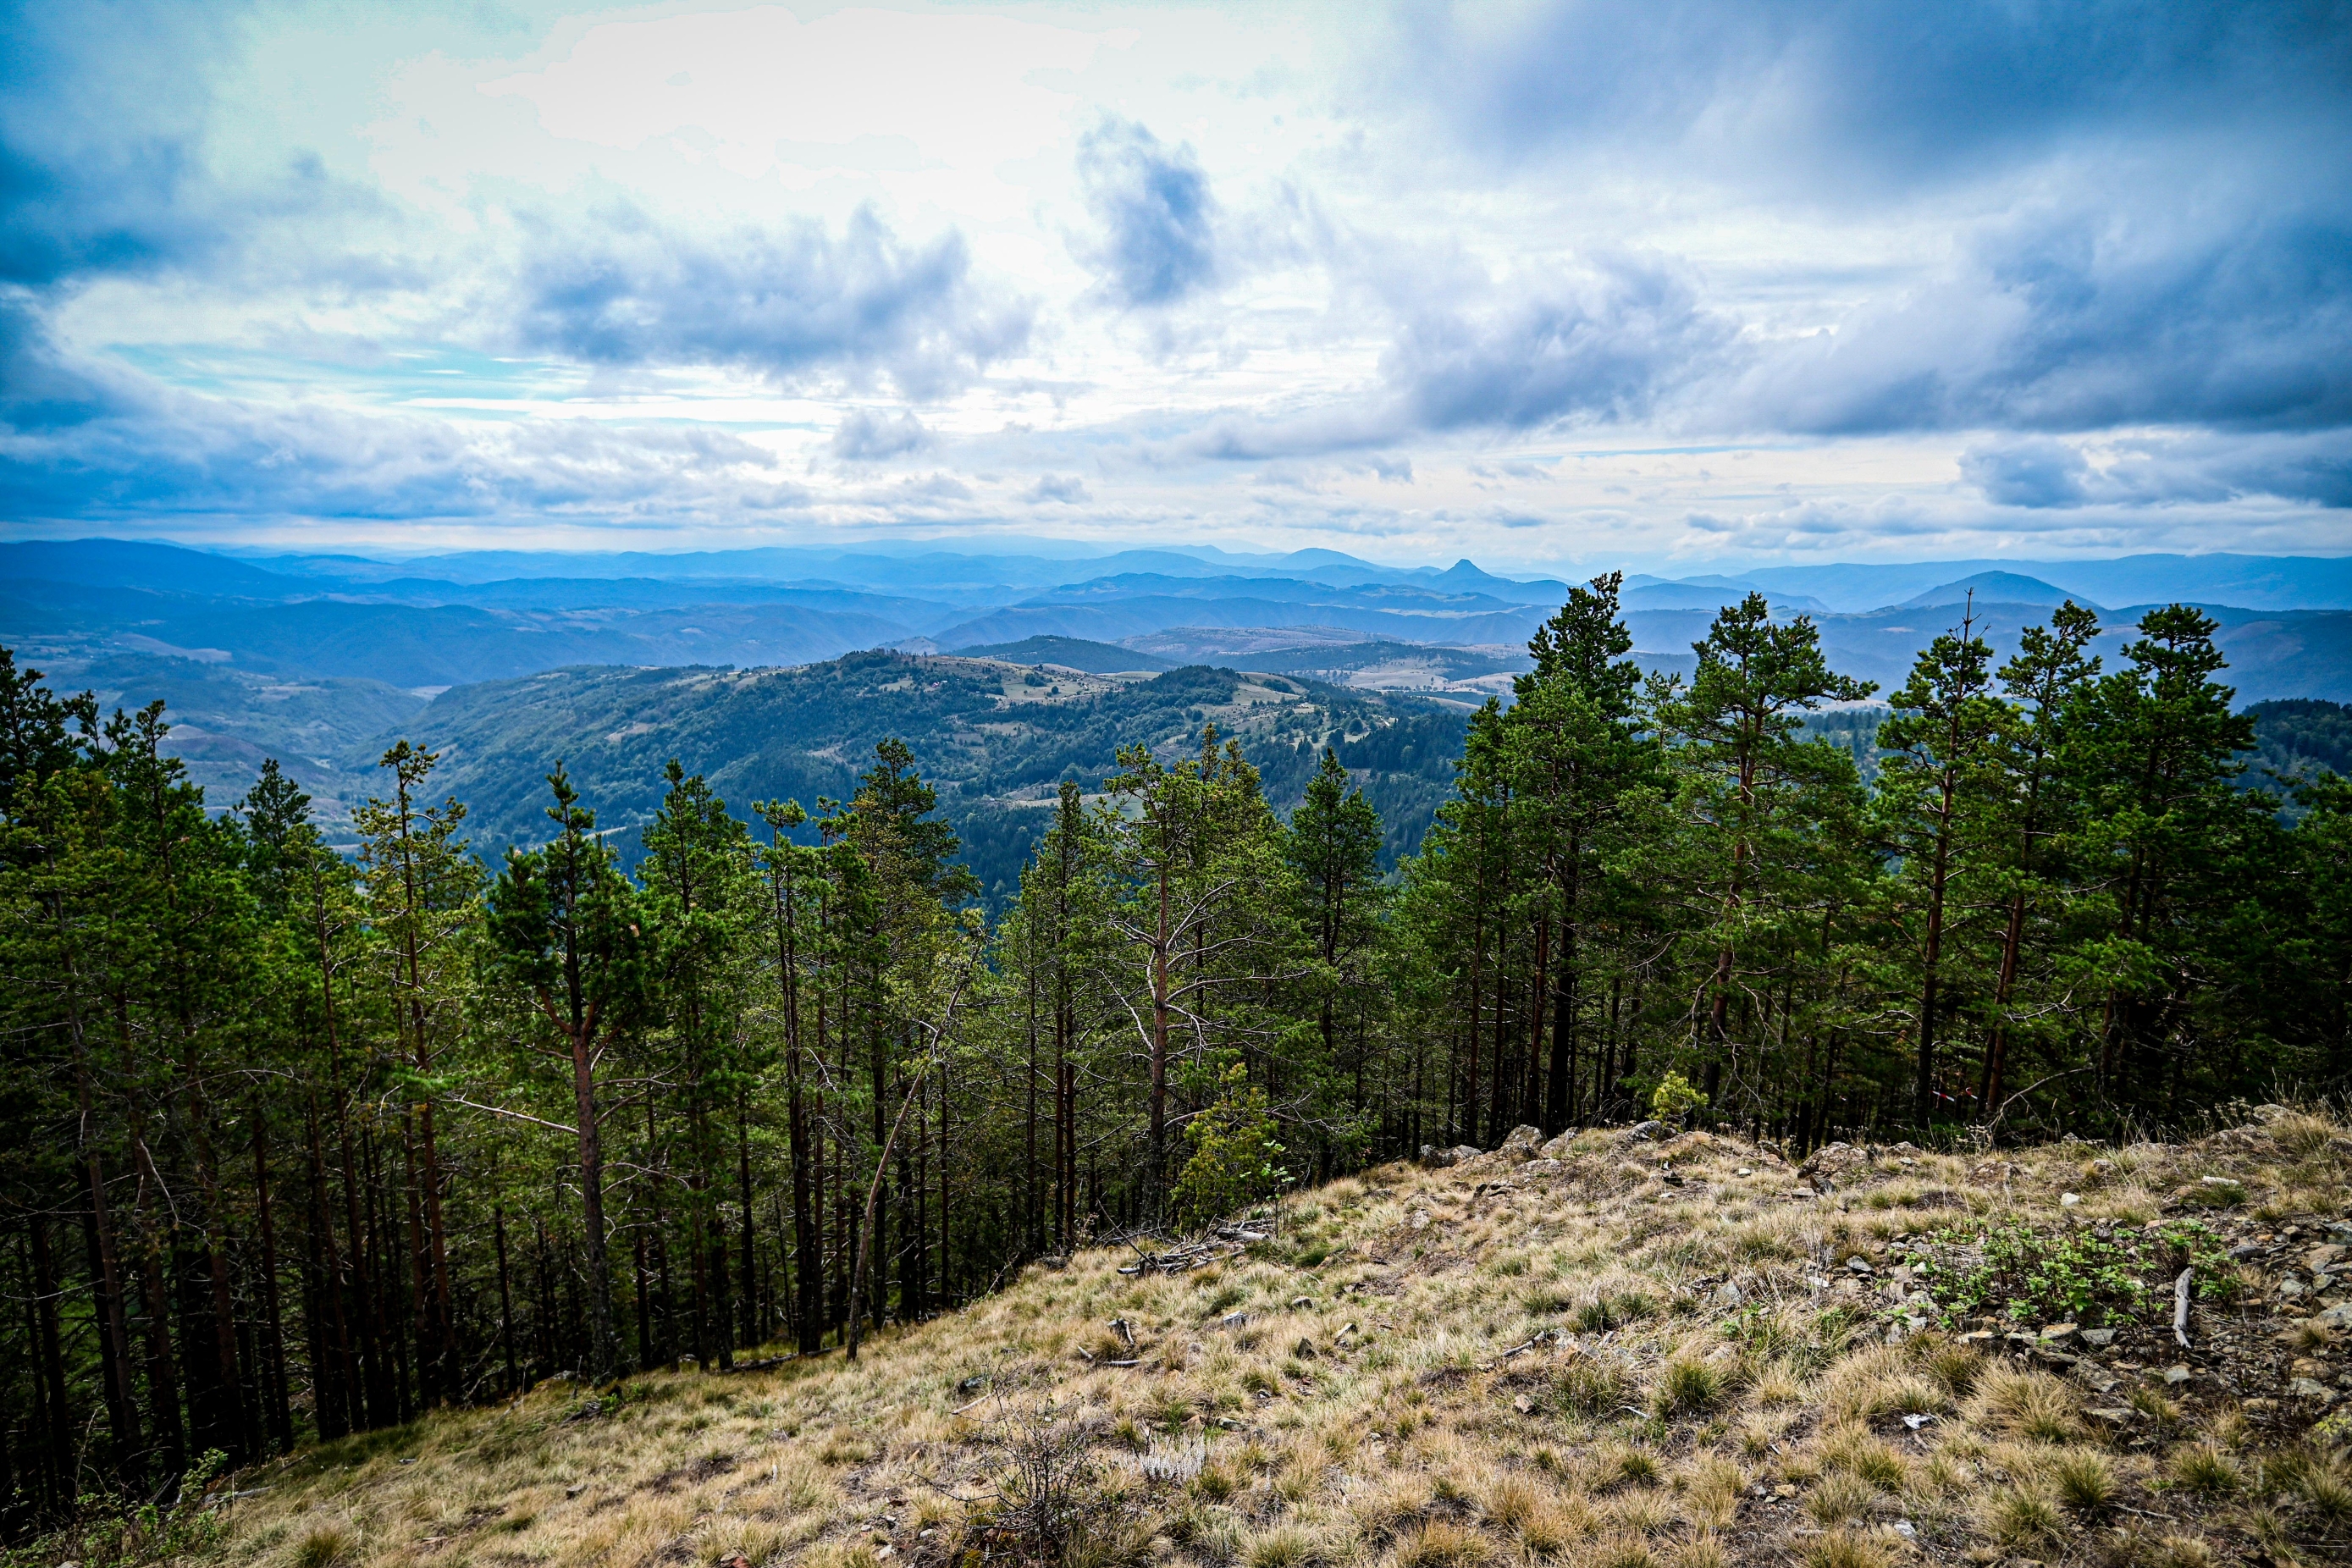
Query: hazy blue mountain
x,y
2293,652
1071,653
1710,594
1997,587
2255,582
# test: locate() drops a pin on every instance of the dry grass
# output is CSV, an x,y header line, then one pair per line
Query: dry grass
x,y
1709,1385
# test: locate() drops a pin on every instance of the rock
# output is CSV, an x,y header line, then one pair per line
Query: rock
x,y
1728,1295
2175,1375
2056,1332
1646,1132
1557,1148
1860,1265
2068,1200
2321,1259
2337,1317
1420,1220
2318,1393
2268,1113
1443,1158
2098,1336
1298,1302
1833,1161
1521,1143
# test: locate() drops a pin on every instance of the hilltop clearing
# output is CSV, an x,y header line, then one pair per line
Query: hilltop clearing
x,y
1677,1349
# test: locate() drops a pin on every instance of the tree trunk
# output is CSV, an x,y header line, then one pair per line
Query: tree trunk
x,y
506,1299
601,1362
56,1433
281,1414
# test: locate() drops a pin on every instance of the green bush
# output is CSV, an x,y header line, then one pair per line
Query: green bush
x,y
1235,1159
2032,1275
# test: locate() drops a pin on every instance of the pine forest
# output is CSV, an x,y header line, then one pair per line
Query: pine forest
x,y
300,1140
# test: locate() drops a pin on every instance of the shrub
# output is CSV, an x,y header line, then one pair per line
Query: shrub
x,y
2079,1274
1675,1098
1235,1157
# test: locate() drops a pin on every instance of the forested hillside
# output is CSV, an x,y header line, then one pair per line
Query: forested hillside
x,y
995,740
303,1138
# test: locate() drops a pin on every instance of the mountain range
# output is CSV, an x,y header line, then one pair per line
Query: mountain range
x,y
318,659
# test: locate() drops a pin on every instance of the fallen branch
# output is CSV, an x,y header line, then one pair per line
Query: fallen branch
x,y
2181,1306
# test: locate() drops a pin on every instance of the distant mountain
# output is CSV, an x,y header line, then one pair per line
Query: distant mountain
x,y
1070,653
2255,582
1997,588
1711,595
2294,652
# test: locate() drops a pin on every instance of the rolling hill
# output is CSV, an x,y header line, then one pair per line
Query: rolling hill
x,y
1612,1352
995,738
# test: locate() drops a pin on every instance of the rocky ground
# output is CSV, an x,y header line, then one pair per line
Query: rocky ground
x,y
1621,1348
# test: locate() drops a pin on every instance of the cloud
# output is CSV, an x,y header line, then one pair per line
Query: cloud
x,y
2088,321
2042,473
1602,349
101,144
161,455
2039,471
1066,488
790,303
1603,346
864,437
1852,101
1156,219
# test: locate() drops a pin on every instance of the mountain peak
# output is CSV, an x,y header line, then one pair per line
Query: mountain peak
x,y
1996,588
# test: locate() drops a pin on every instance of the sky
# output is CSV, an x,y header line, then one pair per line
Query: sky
x,y
1548,284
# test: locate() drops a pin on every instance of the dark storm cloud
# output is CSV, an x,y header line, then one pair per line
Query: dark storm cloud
x,y
2091,321
785,302
1158,239
101,145
1871,90
2171,238
2043,473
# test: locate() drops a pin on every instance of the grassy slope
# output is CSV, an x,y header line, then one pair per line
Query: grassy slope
x,y
1368,1409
